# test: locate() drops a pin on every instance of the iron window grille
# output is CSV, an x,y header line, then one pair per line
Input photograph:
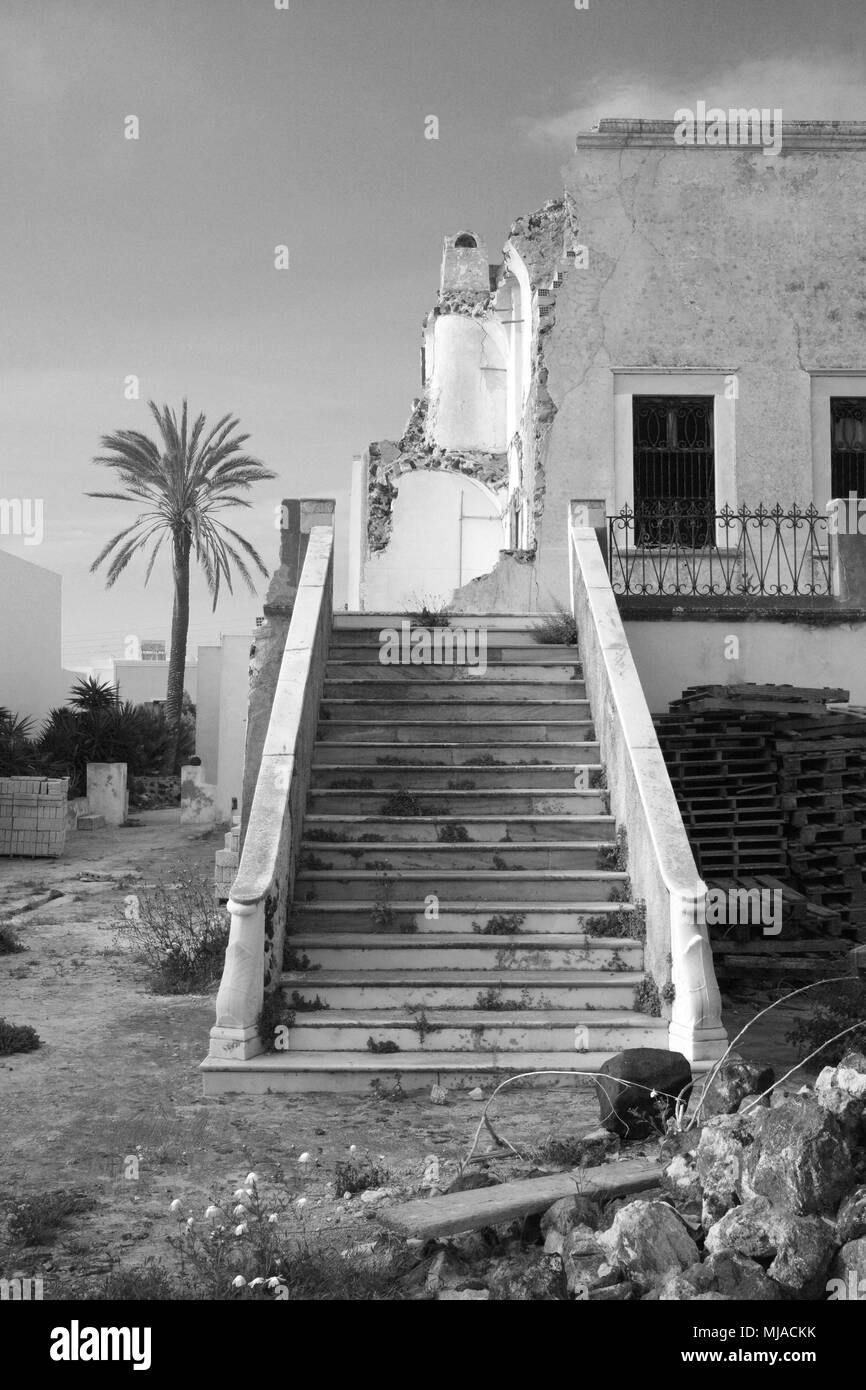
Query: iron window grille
x,y
674,467
847,446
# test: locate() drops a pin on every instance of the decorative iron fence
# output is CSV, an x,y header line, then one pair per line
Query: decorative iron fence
x,y
674,548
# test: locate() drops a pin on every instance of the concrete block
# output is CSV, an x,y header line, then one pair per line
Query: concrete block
x,y
197,797
91,822
106,791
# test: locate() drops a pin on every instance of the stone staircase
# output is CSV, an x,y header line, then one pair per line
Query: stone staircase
x,y
450,871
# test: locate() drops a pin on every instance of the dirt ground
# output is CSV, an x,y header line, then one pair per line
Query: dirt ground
x,y
117,1078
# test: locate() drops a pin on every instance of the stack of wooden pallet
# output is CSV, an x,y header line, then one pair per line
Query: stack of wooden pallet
x,y
803,941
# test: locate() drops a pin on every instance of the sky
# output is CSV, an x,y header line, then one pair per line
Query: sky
x,y
303,127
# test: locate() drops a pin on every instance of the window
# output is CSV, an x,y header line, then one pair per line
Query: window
x,y
674,470
847,445
466,242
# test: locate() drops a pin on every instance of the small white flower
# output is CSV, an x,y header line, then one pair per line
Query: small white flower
x,y
273,1217
239,1212
176,1206
301,1202
239,1282
212,1213
275,1282
254,1283
304,1158
240,1194
190,1221
353,1148
252,1180
242,1229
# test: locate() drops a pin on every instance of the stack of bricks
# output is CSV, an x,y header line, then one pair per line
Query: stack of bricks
x,y
33,816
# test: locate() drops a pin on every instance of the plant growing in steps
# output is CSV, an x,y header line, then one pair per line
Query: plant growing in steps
x,y
461,784
598,779
350,784
382,913
422,1025
630,924
311,862
452,834
387,1045
615,963
307,1006
296,960
402,803
430,613
486,760
369,839
615,856
381,864
668,992
274,1017
558,629
503,865
620,892
393,762
491,1001
500,924
647,999
325,837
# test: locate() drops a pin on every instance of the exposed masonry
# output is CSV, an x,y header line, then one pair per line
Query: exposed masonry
x,y
542,240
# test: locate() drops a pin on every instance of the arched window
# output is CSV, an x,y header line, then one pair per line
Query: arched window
x,y
466,241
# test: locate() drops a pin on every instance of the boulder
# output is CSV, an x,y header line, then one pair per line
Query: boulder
x,y
721,1164
851,1217
800,1159
563,1216
735,1079
528,1277
681,1182
648,1242
682,1287
739,1277
796,1249
614,1293
842,1091
586,1266
638,1089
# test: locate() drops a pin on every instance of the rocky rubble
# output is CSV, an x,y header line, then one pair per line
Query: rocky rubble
x,y
759,1202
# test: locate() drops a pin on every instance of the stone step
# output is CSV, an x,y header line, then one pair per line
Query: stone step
x,y
398,855
447,951
532,1032
493,622
457,804
442,709
469,777
453,690
428,829
556,885
320,918
461,989
349,650
361,754
349,1072
485,732
360,679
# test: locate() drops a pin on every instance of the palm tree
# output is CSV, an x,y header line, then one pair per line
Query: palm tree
x,y
184,480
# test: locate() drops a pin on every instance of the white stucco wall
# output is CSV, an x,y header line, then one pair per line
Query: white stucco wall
x,y
234,690
143,681
469,386
446,530
207,710
31,679
670,656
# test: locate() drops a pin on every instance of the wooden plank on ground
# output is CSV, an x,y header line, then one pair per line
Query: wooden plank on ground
x,y
493,1206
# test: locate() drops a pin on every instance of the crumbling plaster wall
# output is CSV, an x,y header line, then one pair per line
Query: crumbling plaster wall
x,y
717,258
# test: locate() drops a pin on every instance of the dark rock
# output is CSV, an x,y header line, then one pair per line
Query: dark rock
x,y
627,1106
735,1079
648,1241
739,1277
851,1217
721,1159
586,1266
800,1159
529,1277
796,1249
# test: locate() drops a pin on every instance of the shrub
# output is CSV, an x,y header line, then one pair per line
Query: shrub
x,y
558,629
96,732
17,752
430,613
179,932
647,999
353,1177
9,943
35,1221
17,1037
837,1006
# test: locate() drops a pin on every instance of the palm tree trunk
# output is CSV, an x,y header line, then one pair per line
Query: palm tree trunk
x,y
177,654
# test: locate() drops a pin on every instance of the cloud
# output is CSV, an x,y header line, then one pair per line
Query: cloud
x,y
822,87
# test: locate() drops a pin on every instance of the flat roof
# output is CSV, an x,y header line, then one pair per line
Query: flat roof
x,y
616,131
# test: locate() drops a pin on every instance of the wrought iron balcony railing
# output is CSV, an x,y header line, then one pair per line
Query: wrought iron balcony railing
x,y
689,549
